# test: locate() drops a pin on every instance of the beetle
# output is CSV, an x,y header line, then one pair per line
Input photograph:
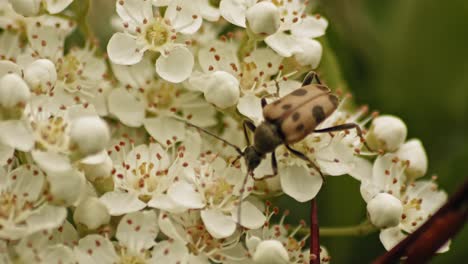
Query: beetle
x,y
289,120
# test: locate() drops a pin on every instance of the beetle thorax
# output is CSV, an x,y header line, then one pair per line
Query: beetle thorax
x,y
267,137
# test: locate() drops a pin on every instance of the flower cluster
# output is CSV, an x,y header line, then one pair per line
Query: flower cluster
x,y
100,161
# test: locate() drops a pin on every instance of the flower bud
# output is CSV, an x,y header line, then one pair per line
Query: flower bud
x,y
263,18
97,170
222,89
385,210
90,134
413,151
386,133
271,252
91,213
26,7
41,73
13,91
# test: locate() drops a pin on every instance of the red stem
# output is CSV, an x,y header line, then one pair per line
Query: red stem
x,y
422,244
314,234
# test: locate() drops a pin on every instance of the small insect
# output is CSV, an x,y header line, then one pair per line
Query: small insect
x,y
289,120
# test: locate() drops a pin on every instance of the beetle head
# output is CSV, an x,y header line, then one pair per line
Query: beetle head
x,y
252,158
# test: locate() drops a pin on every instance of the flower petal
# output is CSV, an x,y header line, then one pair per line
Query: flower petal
x,y
310,54
50,161
128,109
250,106
137,231
183,193
169,252
6,153
252,217
184,16
217,223
134,11
57,6
310,27
165,130
16,134
297,182
119,203
176,66
285,45
104,253
123,49
234,11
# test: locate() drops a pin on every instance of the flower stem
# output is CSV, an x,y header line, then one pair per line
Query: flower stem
x,y
361,229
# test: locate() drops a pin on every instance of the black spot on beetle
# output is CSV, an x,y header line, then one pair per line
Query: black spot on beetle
x,y
299,92
300,127
286,106
318,114
296,116
333,99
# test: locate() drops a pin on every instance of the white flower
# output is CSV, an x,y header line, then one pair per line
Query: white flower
x,y
46,38
14,92
387,133
136,234
91,213
90,134
188,228
263,18
253,74
413,151
214,187
143,99
303,28
420,199
141,177
234,11
144,31
222,89
41,75
50,118
50,246
186,16
33,7
271,251
25,209
385,210
276,243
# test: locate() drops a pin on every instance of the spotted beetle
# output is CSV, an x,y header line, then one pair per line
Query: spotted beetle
x,y
289,120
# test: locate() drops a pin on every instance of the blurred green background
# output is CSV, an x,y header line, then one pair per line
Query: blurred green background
x,y
403,57
410,59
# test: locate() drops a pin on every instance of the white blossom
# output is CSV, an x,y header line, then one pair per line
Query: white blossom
x,y
387,133
146,31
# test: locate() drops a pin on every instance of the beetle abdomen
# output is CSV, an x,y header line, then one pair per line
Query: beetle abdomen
x,y
281,108
307,117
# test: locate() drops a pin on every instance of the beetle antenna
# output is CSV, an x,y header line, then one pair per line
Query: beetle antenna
x,y
241,197
241,153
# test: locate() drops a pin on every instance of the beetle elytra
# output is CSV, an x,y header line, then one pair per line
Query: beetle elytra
x,y
289,120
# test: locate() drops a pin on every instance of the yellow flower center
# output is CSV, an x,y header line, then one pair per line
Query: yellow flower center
x,y
157,34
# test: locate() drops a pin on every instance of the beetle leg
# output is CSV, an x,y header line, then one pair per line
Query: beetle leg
x,y
344,127
304,157
274,166
309,78
248,125
264,102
